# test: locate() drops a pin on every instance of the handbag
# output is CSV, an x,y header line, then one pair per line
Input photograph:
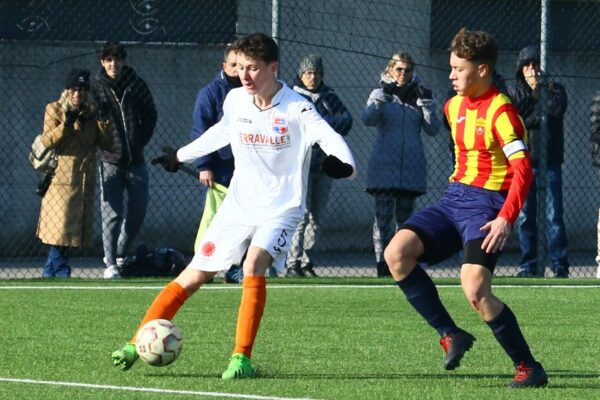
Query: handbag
x,y
41,158
44,161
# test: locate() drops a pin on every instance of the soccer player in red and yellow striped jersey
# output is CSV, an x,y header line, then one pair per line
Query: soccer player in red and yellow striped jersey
x,y
488,187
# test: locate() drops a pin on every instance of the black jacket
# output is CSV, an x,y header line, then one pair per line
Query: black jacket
x,y
527,102
132,115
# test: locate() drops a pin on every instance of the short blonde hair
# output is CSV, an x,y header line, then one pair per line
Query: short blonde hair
x,y
399,56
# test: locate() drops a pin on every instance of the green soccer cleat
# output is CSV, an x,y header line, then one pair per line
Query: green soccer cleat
x,y
125,357
239,367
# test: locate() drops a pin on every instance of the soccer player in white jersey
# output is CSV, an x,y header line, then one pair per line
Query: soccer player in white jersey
x,y
271,130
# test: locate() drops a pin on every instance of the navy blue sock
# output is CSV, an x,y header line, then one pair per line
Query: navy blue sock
x,y
422,294
507,332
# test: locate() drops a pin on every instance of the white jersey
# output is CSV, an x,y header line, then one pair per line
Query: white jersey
x,y
272,150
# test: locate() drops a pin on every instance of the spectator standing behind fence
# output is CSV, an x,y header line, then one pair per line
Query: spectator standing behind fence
x,y
74,127
309,83
397,173
133,117
595,125
216,167
526,95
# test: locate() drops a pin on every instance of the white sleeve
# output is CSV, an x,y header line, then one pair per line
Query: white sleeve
x,y
216,137
318,131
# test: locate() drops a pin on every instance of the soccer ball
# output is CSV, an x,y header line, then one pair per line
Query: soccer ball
x,y
159,342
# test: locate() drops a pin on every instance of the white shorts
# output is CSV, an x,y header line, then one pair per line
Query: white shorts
x,y
226,241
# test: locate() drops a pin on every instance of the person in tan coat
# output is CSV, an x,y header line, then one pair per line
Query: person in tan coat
x,y
74,126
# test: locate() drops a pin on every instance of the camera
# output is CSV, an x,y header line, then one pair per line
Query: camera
x,y
44,184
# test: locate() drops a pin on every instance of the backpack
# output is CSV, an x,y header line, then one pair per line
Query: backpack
x,y
160,262
41,158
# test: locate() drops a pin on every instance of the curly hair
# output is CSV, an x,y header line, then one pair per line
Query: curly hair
x,y
475,46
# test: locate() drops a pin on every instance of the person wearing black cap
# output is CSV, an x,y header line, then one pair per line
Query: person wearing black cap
x,y
309,83
133,115
526,95
74,127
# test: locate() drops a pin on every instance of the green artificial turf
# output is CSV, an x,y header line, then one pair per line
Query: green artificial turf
x,y
315,342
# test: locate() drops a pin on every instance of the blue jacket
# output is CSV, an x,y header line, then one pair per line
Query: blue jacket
x,y
331,109
397,160
208,110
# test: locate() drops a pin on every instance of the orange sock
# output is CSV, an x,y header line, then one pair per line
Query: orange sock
x,y
165,305
254,298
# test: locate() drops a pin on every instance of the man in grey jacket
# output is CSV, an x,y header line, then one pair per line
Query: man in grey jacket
x,y
128,102
397,174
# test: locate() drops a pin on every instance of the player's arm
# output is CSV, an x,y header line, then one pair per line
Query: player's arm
x,y
510,132
339,162
213,139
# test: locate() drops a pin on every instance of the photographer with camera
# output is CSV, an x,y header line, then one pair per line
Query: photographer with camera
x,y
74,126
397,174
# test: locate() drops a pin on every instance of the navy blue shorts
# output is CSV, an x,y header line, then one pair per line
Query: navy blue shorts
x,y
446,226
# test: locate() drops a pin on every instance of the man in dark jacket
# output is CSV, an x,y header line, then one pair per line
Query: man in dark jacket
x,y
127,100
526,95
218,166
595,125
309,83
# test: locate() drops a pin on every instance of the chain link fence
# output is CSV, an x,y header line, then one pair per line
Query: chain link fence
x,y
177,48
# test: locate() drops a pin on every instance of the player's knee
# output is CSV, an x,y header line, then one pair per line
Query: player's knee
x,y
257,262
400,257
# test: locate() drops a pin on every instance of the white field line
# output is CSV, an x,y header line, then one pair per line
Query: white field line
x,y
148,390
238,287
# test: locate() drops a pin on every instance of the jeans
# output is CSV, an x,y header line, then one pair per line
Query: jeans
x,y
556,235
121,221
305,237
391,210
57,263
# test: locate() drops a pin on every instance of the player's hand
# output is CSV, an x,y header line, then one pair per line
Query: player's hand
x,y
207,178
498,235
336,168
168,160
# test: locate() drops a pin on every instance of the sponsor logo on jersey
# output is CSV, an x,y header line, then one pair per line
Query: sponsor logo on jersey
x,y
280,125
244,120
207,249
262,139
480,126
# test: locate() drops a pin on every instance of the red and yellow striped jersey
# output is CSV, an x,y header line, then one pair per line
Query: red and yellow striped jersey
x,y
480,127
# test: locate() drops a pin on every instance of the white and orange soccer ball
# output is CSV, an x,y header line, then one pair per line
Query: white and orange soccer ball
x,y
159,342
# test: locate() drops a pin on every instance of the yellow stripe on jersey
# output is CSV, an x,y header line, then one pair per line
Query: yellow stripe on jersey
x,y
480,128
